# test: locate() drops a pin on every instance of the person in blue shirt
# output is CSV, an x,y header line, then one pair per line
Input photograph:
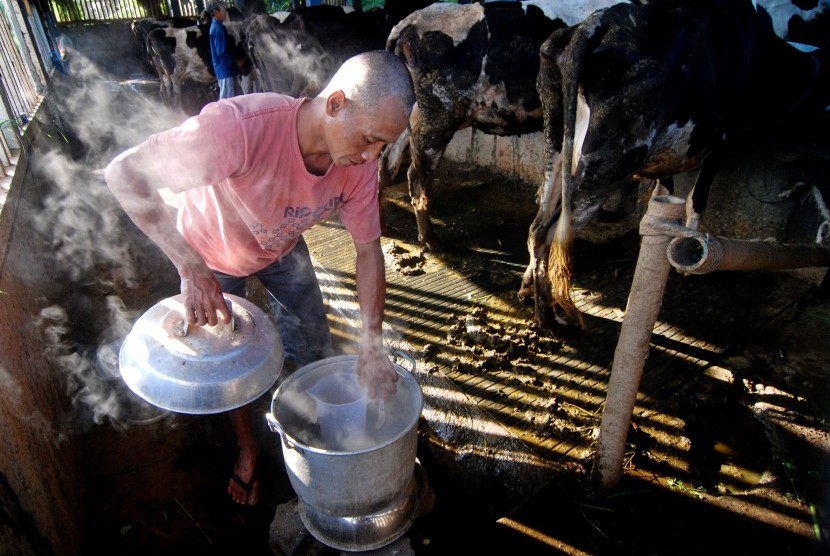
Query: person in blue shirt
x,y
224,65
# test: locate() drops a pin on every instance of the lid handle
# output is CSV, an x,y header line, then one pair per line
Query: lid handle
x,y
182,326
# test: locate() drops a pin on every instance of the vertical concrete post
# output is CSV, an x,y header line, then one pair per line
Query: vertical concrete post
x,y
644,300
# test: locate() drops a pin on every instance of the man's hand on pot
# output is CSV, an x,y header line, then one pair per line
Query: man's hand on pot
x,y
375,371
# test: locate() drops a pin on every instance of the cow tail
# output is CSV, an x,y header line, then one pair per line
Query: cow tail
x,y
560,264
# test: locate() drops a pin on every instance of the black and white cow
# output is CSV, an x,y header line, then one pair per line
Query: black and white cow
x,y
297,52
800,21
141,28
286,49
649,92
472,65
182,57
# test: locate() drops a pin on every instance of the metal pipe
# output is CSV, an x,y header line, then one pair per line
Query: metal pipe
x,y
689,251
665,212
704,253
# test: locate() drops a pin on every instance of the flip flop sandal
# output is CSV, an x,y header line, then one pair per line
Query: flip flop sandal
x,y
245,486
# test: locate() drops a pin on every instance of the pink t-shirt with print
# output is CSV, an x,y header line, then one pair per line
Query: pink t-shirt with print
x,y
262,198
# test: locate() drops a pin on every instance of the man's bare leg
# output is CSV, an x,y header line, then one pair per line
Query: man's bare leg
x,y
245,489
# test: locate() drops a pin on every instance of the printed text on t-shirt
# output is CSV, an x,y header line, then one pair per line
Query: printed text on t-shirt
x,y
303,212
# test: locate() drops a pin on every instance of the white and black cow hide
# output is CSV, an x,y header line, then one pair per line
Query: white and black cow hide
x,y
297,52
649,92
141,28
472,65
182,57
800,21
286,58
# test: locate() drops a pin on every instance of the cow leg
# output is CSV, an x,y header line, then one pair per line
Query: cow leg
x,y
176,95
426,149
394,156
247,83
163,91
420,174
164,79
536,283
166,89
541,229
699,195
177,82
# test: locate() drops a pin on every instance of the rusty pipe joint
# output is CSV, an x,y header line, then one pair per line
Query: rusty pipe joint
x,y
704,253
699,254
665,217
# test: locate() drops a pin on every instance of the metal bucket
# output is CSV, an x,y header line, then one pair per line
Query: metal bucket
x,y
357,499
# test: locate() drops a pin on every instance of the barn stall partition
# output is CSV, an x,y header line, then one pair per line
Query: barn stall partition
x,y
39,478
41,474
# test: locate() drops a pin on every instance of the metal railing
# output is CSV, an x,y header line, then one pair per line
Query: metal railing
x,y
103,10
22,80
67,11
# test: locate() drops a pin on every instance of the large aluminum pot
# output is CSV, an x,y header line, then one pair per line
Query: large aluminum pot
x,y
201,369
351,499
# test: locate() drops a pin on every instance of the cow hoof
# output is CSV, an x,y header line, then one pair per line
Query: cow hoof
x,y
556,320
525,294
433,245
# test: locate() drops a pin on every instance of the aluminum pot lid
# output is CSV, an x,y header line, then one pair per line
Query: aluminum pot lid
x,y
201,369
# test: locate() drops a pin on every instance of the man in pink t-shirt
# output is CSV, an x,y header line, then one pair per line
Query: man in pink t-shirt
x,y
255,172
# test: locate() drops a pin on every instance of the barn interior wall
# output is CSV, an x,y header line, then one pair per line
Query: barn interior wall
x,y
518,156
744,203
42,474
40,478
107,43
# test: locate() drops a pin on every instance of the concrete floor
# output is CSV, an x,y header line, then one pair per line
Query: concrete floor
x,y
517,427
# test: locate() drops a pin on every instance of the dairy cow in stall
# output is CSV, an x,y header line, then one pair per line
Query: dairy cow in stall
x,y
651,91
297,52
473,65
287,51
141,28
181,58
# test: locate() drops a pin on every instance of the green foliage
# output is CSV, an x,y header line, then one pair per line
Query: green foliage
x,y
66,10
678,485
792,473
272,6
17,126
83,10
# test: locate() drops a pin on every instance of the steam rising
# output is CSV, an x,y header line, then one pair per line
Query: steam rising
x,y
92,248
96,255
288,68
99,400
8,384
108,114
